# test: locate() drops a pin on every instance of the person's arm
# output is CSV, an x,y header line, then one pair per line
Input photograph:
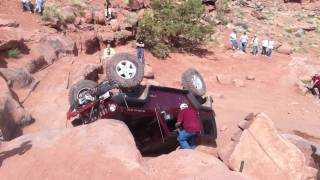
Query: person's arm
x,y
180,120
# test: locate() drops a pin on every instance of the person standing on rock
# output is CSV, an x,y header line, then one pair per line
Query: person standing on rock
x,y
39,6
140,49
265,44
26,5
255,45
244,42
270,48
107,12
233,40
108,53
190,123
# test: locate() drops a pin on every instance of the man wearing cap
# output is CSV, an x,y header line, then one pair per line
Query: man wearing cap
x,y
188,119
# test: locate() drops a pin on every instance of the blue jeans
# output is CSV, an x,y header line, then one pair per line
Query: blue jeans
x,y
234,44
140,54
255,50
244,47
40,6
186,139
269,52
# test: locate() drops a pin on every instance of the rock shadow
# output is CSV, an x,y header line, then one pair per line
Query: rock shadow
x,y
24,147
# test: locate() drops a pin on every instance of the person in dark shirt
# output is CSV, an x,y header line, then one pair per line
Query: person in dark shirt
x,y
315,85
140,49
188,119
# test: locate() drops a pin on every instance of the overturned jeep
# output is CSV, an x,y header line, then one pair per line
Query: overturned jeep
x,y
150,112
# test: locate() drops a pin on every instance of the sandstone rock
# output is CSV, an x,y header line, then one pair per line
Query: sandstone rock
x,y
309,27
243,124
8,23
122,36
68,13
107,145
285,49
207,150
88,17
148,72
224,79
53,48
10,38
266,154
152,82
188,164
17,77
36,64
89,72
115,26
304,146
90,42
106,37
135,5
238,83
99,17
237,135
12,115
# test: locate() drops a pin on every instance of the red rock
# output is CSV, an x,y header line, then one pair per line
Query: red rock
x,y
236,136
266,154
12,115
243,124
17,77
224,79
148,72
285,49
238,83
250,117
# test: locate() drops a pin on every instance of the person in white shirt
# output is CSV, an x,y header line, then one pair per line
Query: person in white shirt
x,y
255,45
270,48
265,44
233,40
244,41
26,5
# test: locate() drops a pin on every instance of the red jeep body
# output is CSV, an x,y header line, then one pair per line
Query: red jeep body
x,y
151,115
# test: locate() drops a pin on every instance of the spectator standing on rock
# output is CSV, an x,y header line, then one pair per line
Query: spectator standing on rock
x,y
314,88
270,48
265,44
39,6
233,40
140,49
108,53
26,5
188,119
244,42
107,12
255,45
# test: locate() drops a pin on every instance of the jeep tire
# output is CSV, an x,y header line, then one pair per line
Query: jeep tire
x,y
125,70
192,80
78,87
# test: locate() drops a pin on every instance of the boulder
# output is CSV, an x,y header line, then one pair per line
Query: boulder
x,y
285,49
89,72
266,154
8,23
12,115
188,164
148,72
10,38
17,77
53,48
99,17
90,42
115,26
88,17
122,36
101,150
224,79
305,147
134,5
258,15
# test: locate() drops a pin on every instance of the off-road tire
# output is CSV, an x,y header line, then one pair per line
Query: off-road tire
x,y
77,87
112,70
192,80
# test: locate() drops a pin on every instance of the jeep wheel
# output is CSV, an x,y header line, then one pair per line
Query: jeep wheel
x,y
79,88
125,69
193,81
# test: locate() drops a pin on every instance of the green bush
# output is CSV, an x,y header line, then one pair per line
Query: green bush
x,y
173,25
51,12
78,3
13,53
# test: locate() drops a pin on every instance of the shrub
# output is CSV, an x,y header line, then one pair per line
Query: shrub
x,y
78,3
51,12
13,53
173,25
